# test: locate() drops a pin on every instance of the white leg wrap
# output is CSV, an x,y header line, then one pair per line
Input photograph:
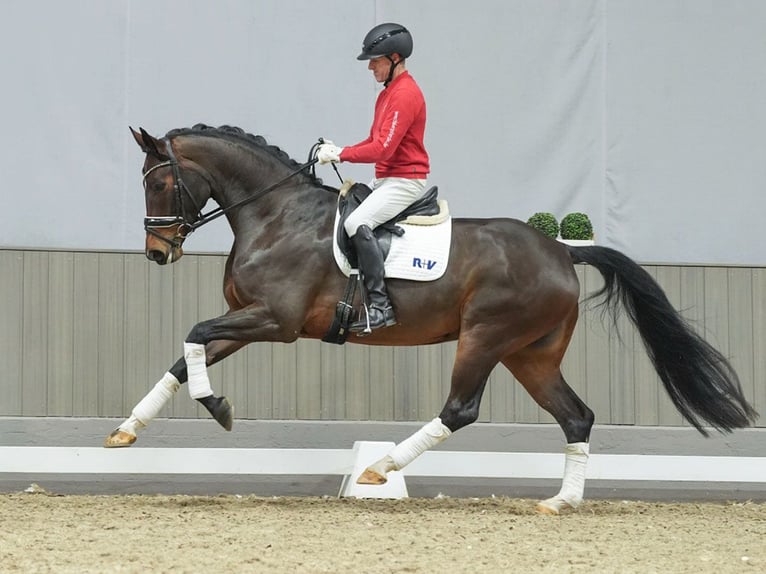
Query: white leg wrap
x,y
151,405
427,437
573,485
199,383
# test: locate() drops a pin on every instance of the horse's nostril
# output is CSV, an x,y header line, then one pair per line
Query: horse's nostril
x,y
156,255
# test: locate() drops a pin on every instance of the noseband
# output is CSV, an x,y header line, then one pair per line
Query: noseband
x,y
184,227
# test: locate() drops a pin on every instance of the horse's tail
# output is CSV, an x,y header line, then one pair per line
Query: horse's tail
x,y
700,381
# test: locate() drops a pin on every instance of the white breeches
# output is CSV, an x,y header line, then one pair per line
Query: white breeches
x,y
390,196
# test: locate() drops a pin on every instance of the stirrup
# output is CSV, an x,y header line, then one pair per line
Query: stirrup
x,y
375,317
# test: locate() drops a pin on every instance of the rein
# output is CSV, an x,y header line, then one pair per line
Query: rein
x,y
186,228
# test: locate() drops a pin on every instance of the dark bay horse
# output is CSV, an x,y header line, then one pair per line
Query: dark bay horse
x,y
510,295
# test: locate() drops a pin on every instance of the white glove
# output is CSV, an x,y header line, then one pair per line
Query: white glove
x,y
328,152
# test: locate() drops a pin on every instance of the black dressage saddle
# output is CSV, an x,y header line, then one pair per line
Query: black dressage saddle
x,y
356,194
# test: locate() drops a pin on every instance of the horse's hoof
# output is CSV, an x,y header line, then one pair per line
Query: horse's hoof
x,y
371,477
552,506
543,509
119,438
223,412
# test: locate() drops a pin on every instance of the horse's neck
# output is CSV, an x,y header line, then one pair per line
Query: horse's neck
x,y
294,203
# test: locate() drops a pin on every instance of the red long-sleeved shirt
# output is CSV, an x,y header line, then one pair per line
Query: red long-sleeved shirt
x,y
395,144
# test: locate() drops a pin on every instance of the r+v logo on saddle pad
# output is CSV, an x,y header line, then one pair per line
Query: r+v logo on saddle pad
x,y
424,263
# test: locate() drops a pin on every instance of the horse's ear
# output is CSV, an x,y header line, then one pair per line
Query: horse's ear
x,y
148,144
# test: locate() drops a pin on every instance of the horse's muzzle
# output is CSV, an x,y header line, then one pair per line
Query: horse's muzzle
x,y
162,250
164,241
157,255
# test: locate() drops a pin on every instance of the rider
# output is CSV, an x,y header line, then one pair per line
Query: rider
x,y
395,146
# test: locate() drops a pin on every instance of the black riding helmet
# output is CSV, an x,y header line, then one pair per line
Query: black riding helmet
x,y
384,40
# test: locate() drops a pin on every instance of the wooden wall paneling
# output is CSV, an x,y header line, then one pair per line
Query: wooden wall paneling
x,y
309,388
11,330
759,342
356,364
716,284
405,384
284,380
260,381
60,357
85,336
88,334
111,334
332,381
381,383
34,373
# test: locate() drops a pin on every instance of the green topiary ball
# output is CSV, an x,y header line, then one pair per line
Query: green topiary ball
x,y
576,226
545,223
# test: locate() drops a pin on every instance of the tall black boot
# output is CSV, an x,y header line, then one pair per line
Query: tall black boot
x,y
373,271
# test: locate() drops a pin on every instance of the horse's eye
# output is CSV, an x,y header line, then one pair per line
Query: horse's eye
x,y
158,186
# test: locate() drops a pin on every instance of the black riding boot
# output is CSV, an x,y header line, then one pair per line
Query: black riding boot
x,y
373,271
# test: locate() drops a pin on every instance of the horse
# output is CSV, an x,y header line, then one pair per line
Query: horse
x,y
509,296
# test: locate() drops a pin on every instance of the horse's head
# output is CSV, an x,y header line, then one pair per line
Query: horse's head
x,y
174,194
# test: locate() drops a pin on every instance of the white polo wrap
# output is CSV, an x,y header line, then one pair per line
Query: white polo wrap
x,y
427,437
573,485
199,383
156,399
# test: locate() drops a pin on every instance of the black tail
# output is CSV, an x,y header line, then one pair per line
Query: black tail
x,y
702,384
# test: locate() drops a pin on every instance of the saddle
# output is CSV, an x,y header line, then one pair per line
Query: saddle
x,y
352,195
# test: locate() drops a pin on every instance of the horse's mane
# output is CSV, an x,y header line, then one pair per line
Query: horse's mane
x,y
238,134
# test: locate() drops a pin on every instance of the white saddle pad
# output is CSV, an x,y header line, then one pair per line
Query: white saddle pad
x,y
421,254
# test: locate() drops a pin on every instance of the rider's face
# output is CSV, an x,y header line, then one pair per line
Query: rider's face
x,y
380,67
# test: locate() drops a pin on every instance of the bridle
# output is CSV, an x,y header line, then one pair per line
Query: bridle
x,y
180,190
184,227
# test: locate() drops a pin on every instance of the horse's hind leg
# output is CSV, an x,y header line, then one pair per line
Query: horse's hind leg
x,y
537,369
469,376
155,400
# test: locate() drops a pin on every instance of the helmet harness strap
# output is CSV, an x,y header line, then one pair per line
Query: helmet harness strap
x,y
391,69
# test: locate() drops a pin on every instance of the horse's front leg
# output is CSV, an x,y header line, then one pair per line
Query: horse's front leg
x,y
155,400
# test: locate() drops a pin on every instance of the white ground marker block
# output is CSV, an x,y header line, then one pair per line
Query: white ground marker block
x,y
365,454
